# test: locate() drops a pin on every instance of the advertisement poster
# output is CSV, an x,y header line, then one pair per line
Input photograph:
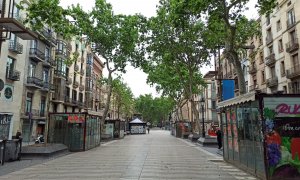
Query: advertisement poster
x,y
282,137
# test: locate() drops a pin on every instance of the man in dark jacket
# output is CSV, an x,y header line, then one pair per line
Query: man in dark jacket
x,y
219,138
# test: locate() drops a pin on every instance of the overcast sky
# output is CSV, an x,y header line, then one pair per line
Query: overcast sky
x,y
135,78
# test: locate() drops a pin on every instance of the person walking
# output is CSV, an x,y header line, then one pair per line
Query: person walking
x,y
148,129
219,138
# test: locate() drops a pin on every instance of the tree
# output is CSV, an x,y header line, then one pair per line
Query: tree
x,y
154,110
123,98
177,49
227,26
114,37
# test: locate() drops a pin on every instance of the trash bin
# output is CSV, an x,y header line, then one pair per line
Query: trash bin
x,y
13,150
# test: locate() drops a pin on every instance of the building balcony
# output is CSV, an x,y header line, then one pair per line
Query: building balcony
x,y
49,62
59,74
49,36
270,60
76,68
48,87
75,84
35,82
294,87
34,114
252,70
272,82
36,54
81,104
13,75
13,22
69,81
88,88
62,53
269,39
292,46
253,88
293,72
15,47
81,87
290,23
57,96
82,72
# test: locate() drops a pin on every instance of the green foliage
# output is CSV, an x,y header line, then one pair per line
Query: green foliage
x,y
123,98
154,110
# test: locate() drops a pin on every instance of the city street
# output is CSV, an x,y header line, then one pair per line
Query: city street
x,y
157,155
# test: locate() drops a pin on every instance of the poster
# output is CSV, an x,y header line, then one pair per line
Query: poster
x,y
282,137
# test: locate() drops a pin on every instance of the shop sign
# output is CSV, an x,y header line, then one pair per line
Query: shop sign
x,y
282,136
75,118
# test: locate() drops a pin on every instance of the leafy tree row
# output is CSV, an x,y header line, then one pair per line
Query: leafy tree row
x,y
154,110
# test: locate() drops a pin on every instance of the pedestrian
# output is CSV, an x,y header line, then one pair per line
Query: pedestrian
x,y
18,135
148,129
219,138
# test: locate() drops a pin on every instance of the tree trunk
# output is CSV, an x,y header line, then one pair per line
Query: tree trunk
x,y
232,57
109,83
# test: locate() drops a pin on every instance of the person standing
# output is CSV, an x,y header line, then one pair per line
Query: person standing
x,y
219,138
148,129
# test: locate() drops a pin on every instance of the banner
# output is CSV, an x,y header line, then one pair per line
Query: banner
x,y
227,89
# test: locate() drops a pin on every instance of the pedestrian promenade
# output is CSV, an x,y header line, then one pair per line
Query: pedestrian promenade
x,y
157,155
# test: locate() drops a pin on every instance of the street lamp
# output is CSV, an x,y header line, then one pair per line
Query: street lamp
x,y
202,101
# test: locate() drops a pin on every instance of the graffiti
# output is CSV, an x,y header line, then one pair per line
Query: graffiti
x,y
288,109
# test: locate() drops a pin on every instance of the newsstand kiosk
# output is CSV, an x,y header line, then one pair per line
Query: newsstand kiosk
x,y
261,134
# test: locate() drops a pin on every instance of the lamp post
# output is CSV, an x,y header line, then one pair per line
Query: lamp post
x,y
202,101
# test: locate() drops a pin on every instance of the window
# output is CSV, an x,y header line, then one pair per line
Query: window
x,y
261,57
28,106
43,106
67,92
280,45
80,97
31,69
269,35
213,104
278,25
45,75
270,50
74,78
282,68
10,65
291,18
33,44
295,60
273,73
263,77
47,53
80,80
74,95
284,89
268,20
61,66
293,36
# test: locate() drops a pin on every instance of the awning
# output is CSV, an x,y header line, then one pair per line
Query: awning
x,y
6,113
237,100
137,121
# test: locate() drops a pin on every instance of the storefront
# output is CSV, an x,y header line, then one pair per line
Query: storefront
x,y
261,134
5,125
79,131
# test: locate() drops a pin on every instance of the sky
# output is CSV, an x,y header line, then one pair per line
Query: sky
x,y
135,78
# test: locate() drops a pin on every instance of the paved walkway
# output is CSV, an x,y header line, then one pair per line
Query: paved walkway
x,y
157,155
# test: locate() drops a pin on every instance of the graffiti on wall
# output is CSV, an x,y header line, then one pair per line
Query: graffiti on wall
x,y
282,137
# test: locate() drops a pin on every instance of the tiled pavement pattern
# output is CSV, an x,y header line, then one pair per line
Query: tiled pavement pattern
x,y
157,155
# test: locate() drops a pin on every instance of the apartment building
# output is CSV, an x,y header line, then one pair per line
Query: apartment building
x,y
226,71
13,54
256,70
39,64
281,47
